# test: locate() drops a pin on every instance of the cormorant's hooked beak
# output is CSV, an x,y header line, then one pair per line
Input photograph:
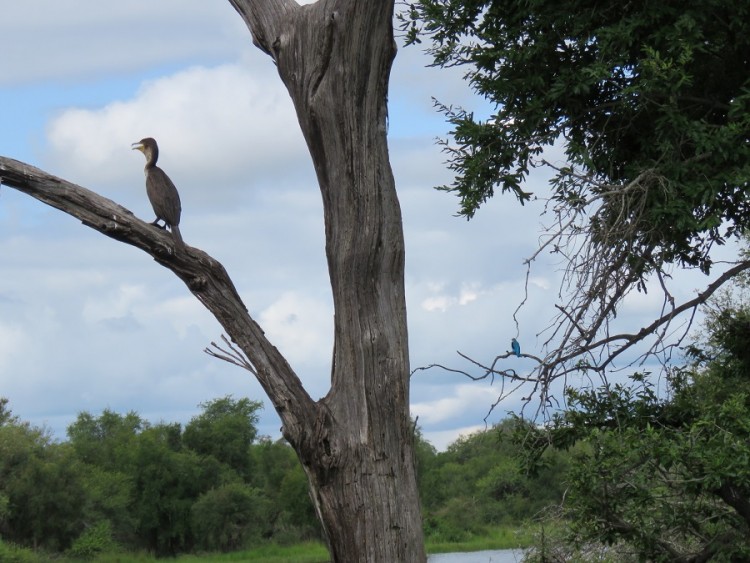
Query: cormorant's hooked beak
x,y
137,146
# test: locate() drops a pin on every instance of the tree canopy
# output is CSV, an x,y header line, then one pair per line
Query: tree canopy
x,y
641,112
120,482
653,97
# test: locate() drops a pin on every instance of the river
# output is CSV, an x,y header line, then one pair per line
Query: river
x,y
493,556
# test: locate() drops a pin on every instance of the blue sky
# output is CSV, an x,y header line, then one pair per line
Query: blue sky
x,y
87,323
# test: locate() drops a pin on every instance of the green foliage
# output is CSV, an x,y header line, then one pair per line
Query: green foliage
x,y
478,484
224,519
93,541
122,483
657,95
106,441
41,487
167,481
667,477
6,416
224,430
109,497
10,553
280,476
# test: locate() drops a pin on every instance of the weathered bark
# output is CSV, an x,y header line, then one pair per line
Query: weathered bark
x,y
335,58
356,443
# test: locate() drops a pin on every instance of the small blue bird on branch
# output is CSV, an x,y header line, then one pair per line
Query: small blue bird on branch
x,y
516,347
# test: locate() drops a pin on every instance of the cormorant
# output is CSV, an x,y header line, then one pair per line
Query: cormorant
x,y
161,191
516,347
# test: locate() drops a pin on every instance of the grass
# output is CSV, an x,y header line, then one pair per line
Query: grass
x,y
308,552
316,552
498,538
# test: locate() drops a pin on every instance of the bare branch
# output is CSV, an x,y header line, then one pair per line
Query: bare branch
x,y
233,355
204,276
594,229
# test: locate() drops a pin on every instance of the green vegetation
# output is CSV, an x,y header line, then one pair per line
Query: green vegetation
x,y
504,537
623,472
477,487
122,484
660,476
121,489
655,98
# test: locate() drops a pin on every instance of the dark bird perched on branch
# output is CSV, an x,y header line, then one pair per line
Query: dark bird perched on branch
x,y
516,347
161,191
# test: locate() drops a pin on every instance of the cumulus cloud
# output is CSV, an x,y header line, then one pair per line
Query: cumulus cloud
x,y
217,128
468,293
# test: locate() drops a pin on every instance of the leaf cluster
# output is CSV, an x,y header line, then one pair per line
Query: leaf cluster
x,y
479,483
624,89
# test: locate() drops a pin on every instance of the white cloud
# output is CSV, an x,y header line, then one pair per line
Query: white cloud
x,y
466,398
468,293
441,439
84,39
301,327
217,128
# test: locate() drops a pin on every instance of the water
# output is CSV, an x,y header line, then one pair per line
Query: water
x,y
492,556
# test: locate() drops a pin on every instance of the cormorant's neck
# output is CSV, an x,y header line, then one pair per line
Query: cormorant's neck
x,y
151,157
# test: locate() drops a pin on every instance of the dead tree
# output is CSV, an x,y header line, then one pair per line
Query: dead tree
x,y
355,444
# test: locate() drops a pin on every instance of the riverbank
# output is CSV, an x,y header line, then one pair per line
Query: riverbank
x,y
308,552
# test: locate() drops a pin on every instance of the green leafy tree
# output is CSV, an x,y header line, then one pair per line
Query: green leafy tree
x,y
225,430
6,415
95,540
109,498
41,488
228,517
106,440
626,88
650,105
666,478
167,481
426,457
280,476
479,482
106,444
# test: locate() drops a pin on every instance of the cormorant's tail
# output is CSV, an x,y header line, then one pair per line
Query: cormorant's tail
x,y
177,236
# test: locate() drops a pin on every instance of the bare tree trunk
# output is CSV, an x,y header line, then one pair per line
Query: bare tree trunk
x,y
335,59
356,444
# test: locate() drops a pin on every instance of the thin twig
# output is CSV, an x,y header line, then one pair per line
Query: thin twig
x,y
233,355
